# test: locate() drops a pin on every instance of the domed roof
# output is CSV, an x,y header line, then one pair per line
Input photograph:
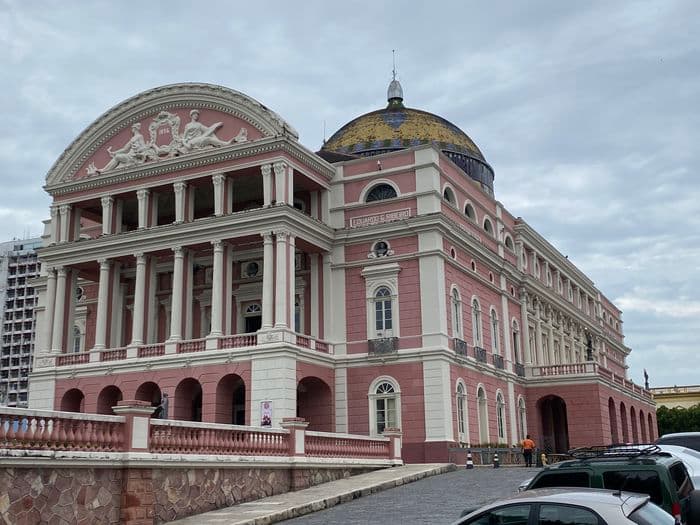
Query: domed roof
x,y
397,127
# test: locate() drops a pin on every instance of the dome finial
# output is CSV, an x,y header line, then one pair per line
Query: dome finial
x,y
394,94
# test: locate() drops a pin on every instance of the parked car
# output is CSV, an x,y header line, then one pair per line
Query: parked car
x,y
681,439
645,469
570,506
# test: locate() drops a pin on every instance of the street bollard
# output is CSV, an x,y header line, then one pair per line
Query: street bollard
x,y
496,464
470,462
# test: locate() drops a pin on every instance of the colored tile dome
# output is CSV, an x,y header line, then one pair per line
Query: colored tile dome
x,y
397,127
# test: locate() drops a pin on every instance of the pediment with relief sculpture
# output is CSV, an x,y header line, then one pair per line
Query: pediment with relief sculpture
x,y
165,123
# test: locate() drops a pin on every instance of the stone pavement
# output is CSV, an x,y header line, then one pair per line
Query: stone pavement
x,y
293,504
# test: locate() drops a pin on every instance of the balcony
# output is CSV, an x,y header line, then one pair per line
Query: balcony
x,y
519,369
460,346
383,346
480,354
187,347
498,361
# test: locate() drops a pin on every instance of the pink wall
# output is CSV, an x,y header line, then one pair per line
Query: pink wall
x,y
392,160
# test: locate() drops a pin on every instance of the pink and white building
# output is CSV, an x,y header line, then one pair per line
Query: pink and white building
x,y
197,249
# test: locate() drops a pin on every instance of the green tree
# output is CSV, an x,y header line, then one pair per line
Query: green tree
x,y
678,419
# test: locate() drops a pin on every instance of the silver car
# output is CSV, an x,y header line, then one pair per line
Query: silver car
x,y
569,506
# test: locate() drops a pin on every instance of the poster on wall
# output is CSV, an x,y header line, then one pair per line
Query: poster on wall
x,y
266,413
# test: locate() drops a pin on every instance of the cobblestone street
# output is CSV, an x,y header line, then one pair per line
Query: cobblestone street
x,y
436,500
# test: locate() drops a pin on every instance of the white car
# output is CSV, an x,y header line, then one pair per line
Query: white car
x,y
569,506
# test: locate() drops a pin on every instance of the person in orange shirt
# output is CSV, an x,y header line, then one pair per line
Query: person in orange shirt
x,y
528,448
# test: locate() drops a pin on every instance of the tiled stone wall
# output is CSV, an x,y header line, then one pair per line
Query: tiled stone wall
x,y
49,495
84,496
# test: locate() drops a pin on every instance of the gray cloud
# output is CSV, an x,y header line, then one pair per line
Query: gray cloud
x,y
588,113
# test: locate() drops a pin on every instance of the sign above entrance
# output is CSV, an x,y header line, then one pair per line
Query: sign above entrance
x,y
380,218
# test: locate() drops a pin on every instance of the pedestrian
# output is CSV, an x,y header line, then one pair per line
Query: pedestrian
x,y
528,448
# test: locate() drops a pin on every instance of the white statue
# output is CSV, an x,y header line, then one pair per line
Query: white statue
x,y
135,151
197,136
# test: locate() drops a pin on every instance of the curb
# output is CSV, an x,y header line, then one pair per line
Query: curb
x,y
343,497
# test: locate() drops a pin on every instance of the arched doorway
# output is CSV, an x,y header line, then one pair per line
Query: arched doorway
x,y
555,426
188,400
109,397
642,428
650,426
149,391
315,404
615,437
482,411
623,421
633,421
230,400
73,401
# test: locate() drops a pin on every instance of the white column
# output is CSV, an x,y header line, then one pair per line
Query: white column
x,y
290,185
218,180
107,212
102,305
325,206
143,198
59,311
280,182
327,296
281,280
267,183
217,288
552,360
50,305
525,330
178,286
314,292
180,189
54,224
291,282
268,281
64,210
538,340
139,312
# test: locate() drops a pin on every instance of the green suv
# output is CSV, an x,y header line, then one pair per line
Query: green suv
x,y
645,469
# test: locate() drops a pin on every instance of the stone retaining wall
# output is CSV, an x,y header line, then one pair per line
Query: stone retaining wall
x,y
89,495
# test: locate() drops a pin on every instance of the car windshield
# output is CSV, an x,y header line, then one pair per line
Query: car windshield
x,y
650,514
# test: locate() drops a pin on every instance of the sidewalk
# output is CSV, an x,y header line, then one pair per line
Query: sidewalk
x,y
293,504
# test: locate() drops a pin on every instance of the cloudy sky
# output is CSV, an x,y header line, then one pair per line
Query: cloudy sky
x,y
588,112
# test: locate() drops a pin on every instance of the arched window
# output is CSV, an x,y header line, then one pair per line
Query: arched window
x,y
449,195
77,339
383,319
501,417
523,419
488,227
456,314
476,322
516,342
494,330
385,405
469,211
380,192
380,249
509,243
462,424
483,414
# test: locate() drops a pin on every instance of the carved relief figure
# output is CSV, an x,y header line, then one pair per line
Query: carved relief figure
x,y
134,152
196,135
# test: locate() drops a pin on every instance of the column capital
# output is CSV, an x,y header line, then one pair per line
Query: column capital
x,y
266,169
218,245
140,258
218,178
54,210
179,186
107,200
281,234
178,251
104,263
279,167
142,194
64,209
267,237
61,271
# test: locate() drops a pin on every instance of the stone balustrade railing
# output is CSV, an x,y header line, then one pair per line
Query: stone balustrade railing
x,y
133,430
49,430
589,368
